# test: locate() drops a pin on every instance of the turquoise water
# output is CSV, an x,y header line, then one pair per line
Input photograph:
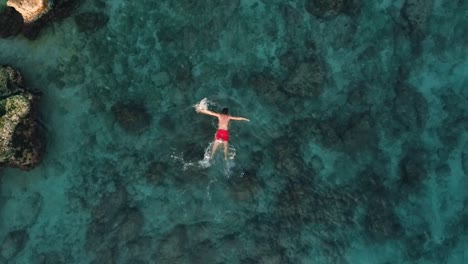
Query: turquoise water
x,y
357,149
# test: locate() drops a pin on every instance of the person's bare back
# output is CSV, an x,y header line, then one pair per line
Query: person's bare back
x,y
223,122
222,135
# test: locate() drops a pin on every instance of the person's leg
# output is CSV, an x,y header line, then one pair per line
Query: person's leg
x,y
226,150
215,147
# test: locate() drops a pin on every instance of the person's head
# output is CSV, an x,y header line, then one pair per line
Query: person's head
x,y
225,111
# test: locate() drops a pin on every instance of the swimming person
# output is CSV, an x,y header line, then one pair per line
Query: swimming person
x,y
222,135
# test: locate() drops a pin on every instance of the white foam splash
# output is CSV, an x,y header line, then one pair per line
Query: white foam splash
x,y
207,161
202,105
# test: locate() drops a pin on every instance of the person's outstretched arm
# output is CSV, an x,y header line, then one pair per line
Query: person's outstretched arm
x,y
239,118
207,112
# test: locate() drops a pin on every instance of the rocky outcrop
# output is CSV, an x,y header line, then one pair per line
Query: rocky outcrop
x,y
11,22
30,16
30,10
20,141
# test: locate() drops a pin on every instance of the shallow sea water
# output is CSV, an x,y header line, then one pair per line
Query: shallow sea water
x,y
369,168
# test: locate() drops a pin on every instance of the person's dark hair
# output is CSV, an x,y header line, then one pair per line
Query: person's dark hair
x,y
225,111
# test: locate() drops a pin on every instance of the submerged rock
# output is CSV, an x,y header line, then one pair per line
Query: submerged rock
x,y
30,10
173,247
409,110
300,202
245,186
287,158
13,243
464,159
317,163
413,167
156,172
91,21
138,248
106,256
161,79
182,72
21,144
333,8
417,13
11,22
324,131
359,133
113,221
307,80
325,8
381,222
131,117
266,85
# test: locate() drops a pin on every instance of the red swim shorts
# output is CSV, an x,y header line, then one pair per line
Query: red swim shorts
x,y
222,134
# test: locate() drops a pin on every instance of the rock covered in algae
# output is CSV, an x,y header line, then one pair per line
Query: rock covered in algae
x,y
20,141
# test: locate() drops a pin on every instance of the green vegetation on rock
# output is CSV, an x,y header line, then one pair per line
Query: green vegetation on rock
x,y
17,125
2,107
13,109
3,80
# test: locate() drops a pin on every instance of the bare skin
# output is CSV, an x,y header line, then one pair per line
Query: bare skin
x,y
223,123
